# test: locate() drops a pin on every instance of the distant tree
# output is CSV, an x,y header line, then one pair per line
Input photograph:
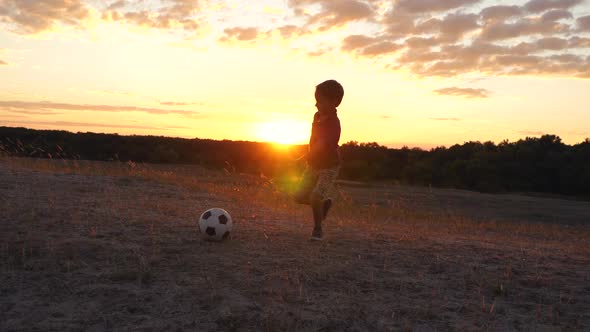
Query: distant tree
x,y
543,164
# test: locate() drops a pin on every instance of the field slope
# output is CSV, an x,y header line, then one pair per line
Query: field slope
x,y
94,246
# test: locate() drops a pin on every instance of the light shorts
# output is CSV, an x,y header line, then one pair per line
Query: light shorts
x,y
325,187
320,182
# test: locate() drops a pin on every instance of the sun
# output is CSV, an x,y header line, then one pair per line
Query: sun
x,y
283,132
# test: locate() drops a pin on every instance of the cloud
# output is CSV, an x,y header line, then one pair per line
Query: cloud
x,y
176,103
552,43
336,13
354,42
463,92
369,46
117,5
380,48
89,124
289,31
423,37
521,59
141,18
241,34
579,42
425,6
12,116
159,21
556,15
30,17
521,28
583,23
500,13
27,17
447,38
170,15
537,6
451,28
317,53
30,112
399,24
332,13
47,107
421,42
445,119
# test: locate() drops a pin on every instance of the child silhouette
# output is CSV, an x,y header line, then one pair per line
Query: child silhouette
x,y
323,161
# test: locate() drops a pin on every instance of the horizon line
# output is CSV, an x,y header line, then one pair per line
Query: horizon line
x,y
426,147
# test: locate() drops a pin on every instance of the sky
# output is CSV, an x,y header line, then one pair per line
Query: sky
x,y
418,73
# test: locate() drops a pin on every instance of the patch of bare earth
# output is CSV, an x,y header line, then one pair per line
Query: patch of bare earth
x,y
98,246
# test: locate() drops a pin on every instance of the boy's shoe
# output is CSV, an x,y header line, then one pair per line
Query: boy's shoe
x,y
317,235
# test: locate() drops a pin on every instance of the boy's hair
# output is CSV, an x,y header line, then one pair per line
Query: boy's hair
x,y
332,90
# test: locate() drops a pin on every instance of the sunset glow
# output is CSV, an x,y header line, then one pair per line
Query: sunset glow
x,y
415,72
283,132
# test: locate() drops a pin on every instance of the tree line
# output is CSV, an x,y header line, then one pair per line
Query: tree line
x,y
543,164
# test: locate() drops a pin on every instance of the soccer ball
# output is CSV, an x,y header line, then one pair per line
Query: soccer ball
x,y
215,224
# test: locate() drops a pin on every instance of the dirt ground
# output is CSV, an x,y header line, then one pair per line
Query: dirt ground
x,y
99,246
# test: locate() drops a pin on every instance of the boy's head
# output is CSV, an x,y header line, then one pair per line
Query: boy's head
x,y
328,95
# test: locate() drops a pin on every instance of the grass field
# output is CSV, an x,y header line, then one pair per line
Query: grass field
x,y
95,246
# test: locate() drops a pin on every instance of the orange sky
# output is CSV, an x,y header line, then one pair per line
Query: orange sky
x,y
415,72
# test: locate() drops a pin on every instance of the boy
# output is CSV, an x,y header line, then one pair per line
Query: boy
x,y
323,160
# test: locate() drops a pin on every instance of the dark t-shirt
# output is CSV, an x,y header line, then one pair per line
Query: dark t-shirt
x,y
325,128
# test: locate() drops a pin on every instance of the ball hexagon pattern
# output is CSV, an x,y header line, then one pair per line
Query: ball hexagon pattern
x,y
215,224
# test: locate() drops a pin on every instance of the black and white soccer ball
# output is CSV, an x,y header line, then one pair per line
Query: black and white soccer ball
x,y
215,224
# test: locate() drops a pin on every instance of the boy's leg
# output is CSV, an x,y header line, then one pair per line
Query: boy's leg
x,y
305,187
320,199
320,207
327,204
317,208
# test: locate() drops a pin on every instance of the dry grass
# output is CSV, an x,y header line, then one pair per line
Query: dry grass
x,y
90,245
